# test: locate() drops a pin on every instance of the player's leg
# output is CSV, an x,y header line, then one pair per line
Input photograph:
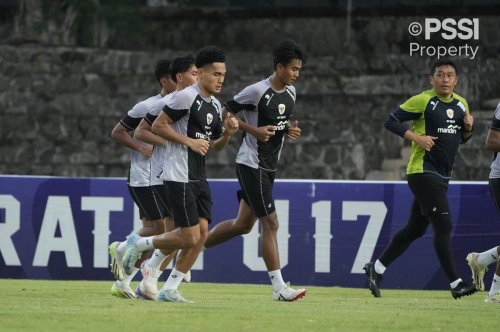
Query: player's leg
x,y
184,262
257,188
121,288
245,220
151,268
185,217
478,262
187,257
226,230
167,255
494,292
415,227
431,192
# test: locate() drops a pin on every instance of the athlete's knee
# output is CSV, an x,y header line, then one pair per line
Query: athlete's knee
x,y
146,231
159,227
244,226
270,223
203,235
441,223
191,239
420,232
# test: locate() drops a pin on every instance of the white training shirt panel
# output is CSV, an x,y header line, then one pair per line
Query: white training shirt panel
x,y
254,97
495,165
140,166
176,160
158,157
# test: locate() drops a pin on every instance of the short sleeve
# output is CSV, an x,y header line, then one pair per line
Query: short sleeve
x,y
495,122
247,99
178,104
415,104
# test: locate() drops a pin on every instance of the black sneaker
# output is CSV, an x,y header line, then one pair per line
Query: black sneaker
x,y
463,289
374,279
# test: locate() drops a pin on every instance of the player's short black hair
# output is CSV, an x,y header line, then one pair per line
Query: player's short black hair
x,y
443,62
208,55
181,64
162,69
286,51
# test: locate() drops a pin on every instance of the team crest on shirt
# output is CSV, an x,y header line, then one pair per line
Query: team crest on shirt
x,y
210,117
281,108
450,113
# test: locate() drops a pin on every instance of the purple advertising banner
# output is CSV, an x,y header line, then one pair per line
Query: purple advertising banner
x,y
60,228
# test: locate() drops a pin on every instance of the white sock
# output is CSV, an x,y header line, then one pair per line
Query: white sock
x,y
379,267
455,283
487,257
156,259
122,247
276,280
127,278
145,243
174,280
495,286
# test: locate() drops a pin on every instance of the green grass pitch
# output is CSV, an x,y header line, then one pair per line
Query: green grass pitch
x,y
41,305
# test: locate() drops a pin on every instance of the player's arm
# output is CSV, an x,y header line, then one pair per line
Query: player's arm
x,y
247,100
293,131
230,127
121,134
493,137
395,124
162,127
468,127
263,133
143,132
493,140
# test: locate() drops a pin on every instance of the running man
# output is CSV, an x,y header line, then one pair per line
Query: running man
x,y
264,111
191,120
183,73
149,198
441,122
479,262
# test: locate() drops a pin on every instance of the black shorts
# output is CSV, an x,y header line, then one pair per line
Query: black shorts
x,y
257,189
189,201
430,193
495,191
152,202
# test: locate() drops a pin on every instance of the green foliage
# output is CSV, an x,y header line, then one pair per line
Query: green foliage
x,y
124,18
76,15
85,22
27,305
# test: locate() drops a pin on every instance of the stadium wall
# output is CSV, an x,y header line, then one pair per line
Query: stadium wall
x,y
60,228
59,103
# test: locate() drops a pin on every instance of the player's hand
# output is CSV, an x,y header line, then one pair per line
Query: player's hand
x,y
147,151
294,131
264,133
426,142
199,146
231,125
468,121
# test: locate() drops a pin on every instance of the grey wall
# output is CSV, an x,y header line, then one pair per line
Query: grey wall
x,y
59,104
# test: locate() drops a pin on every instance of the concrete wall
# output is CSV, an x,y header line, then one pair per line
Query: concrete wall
x,y
59,104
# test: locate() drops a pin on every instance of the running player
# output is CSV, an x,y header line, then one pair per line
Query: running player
x,y
479,262
183,73
441,122
264,111
191,121
149,199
